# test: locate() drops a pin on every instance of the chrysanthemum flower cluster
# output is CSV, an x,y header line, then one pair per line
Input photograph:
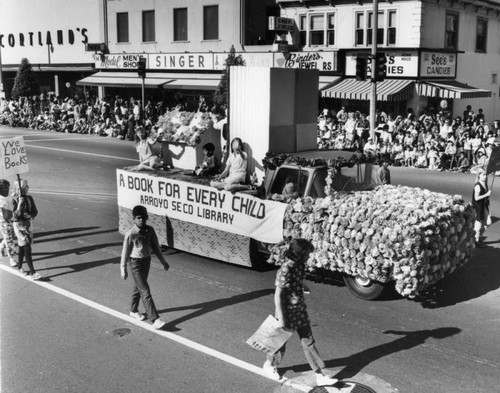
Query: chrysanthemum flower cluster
x,y
184,127
392,233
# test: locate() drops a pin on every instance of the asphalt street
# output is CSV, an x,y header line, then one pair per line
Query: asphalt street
x,y
71,332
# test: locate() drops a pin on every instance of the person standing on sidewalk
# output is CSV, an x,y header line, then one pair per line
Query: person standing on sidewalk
x,y
24,212
8,245
481,203
291,311
140,241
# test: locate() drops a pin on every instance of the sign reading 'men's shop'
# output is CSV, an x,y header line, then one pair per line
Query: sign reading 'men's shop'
x,y
13,157
237,213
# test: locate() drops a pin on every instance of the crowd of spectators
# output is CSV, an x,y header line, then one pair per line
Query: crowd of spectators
x,y
111,117
432,140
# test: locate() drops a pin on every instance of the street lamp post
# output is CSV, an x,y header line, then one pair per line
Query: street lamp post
x,y
373,101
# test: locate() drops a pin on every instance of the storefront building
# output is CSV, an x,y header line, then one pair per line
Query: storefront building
x,y
435,51
52,35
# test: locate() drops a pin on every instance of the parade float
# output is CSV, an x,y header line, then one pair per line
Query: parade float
x,y
375,236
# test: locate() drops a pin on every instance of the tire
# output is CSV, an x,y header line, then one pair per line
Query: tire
x,y
259,255
363,288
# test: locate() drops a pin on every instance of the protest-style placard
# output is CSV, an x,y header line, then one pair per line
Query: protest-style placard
x,y
13,157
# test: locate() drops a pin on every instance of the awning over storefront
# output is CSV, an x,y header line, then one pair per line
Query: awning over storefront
x,y
450,89
155,80
326,81
387,90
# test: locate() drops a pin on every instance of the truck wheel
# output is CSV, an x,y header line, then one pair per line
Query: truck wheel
x,y
364,288
259,255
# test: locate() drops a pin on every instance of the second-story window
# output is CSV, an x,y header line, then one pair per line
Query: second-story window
x,y
451,31
211,22
148,26
303,30
180,24
330,29
391,28
316,30
122,27
380,29
481,34
360,29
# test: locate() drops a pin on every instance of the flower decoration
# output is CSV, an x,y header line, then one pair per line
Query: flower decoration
x,y
183,127
392,233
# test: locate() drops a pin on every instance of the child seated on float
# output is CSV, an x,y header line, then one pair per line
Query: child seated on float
x,y
210,165
148,161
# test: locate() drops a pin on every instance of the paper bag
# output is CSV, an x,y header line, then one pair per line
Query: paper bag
x,y
269,337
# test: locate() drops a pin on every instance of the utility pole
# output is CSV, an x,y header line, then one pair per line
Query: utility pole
x,y
141,70
373,101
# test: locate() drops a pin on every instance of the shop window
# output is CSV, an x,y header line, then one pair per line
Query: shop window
x,y
481,34
391,28
303,30
360,29
380,29
451,31
148,26
494,78
122,27
316,30
180,24
211,22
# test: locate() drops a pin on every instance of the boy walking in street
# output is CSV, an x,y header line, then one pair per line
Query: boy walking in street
x,y
140,241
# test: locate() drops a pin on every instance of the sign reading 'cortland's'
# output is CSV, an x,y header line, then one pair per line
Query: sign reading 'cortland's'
x,y
238,213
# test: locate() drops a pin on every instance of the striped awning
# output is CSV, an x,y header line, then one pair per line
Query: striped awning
x,y
387,90
450,89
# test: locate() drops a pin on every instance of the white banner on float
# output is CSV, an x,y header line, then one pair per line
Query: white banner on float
x,y
237,213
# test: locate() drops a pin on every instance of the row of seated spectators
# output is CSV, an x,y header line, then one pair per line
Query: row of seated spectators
x,y
112,116
433,140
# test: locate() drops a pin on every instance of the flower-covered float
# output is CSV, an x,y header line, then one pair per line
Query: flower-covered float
x,y
184,127
410,236
183,135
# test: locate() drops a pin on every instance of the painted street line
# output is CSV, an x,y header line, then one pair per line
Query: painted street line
x,y
81,152
171,336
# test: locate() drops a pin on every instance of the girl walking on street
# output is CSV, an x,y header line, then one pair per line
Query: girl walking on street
x,y
481,203
291,311
8,245
23,214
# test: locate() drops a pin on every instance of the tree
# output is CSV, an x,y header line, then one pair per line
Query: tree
x,y
221,96
25,84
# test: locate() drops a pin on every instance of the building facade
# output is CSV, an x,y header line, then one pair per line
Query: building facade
x,y
52,35
436,50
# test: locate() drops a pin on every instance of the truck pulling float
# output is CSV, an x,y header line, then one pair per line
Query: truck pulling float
x,y
375,236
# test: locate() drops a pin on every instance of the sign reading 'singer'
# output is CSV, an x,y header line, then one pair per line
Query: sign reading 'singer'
x,y
238,213
14,159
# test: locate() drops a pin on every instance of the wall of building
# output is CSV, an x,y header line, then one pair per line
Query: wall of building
x,y
28,26
408,22
477,69
229,26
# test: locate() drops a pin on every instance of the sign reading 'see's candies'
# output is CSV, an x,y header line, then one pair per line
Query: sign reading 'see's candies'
x,y
14,159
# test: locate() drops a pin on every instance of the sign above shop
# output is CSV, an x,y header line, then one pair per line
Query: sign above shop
x,y
95,47
438,65
399,64
320,60
278,23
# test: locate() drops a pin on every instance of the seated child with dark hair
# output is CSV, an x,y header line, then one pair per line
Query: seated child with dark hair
x,y
210,165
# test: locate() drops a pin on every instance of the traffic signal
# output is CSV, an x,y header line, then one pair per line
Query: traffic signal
x,y
361,63
380,67
141,67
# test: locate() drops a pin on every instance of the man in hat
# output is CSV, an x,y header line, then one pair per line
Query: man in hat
x,y
370,146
